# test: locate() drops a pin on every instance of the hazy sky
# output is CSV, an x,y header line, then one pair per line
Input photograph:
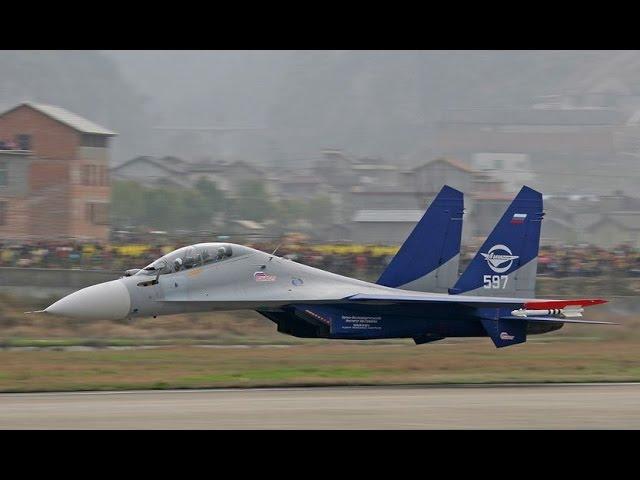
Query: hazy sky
x,y
370,103
284,107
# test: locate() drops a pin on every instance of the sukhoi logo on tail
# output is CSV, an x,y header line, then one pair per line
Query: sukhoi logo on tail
x,y
497,256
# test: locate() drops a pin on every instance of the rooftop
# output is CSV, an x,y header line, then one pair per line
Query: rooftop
x,y
401,216
70,119
502,196
450,161
171,164
384,189
630,220
529,116
301,179
373,166
249,224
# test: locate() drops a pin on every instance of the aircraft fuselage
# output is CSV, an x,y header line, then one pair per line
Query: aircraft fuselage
x,y
303,301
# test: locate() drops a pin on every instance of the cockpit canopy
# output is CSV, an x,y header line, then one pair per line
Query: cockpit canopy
x,y
192,256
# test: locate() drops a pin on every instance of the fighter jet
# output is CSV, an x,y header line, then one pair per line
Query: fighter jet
x,y
418,296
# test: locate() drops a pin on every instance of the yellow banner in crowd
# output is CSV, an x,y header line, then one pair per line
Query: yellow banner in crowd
x,y
88,249
131,250
374,250
135,250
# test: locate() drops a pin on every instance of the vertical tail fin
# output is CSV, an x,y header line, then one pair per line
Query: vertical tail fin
x,y
428,259
507,262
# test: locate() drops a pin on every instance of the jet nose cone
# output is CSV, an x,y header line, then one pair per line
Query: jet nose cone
x,y
107,301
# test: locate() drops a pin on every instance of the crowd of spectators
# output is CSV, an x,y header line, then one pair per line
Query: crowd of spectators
x,y
78,255
358,261
589,261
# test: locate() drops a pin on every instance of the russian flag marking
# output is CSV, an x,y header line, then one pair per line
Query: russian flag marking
x,y
518,218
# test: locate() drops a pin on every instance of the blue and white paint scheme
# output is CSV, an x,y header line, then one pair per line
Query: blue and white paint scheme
x,y
507,262
493,298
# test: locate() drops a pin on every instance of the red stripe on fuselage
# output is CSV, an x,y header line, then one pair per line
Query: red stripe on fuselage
x,y
548,304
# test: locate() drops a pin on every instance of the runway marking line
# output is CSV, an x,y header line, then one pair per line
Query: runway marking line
x,y
325,387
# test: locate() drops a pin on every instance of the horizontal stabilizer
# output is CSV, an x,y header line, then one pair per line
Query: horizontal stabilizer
x,y
551,304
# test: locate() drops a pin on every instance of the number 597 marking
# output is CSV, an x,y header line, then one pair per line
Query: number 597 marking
x,y
495,281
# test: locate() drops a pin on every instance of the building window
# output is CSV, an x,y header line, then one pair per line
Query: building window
x,y
104,176
24,141
4,174
3,213
84,175
97,213
89,140
94,175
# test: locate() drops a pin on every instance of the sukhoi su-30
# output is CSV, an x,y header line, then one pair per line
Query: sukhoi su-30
x,y
419,295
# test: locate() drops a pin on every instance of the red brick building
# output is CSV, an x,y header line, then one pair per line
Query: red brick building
x,y
54,174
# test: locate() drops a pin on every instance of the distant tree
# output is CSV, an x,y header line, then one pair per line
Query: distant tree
x,y
165,207
127,203
290,210
210,191
319,211
194,209
253,202
161,208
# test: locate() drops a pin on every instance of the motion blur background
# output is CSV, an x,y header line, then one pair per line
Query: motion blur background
x,y
109,159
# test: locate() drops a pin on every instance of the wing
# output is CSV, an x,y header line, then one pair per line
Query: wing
x,y
404,298
473,301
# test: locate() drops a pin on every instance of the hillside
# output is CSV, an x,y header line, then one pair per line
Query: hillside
x,y
284,107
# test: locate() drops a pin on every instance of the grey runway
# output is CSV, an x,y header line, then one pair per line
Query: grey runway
x,y
453,407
